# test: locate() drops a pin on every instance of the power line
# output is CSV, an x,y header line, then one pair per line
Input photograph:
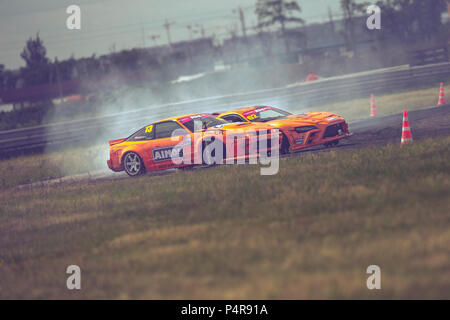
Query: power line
x,y
61,38
154,24
154,37
64,37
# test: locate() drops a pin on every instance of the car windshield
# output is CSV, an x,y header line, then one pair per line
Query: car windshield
x,y
203,122
265,114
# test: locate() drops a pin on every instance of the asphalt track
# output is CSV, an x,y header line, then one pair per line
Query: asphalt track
x,y
377,131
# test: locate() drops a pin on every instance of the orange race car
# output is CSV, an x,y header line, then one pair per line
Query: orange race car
x,y
299,130
183,141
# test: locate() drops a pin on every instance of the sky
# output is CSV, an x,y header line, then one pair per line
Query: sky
x,y
108,25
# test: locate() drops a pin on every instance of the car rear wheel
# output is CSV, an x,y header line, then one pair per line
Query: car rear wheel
x,y
133,164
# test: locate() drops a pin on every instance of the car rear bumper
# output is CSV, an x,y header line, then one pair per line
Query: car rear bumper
x,y
111,166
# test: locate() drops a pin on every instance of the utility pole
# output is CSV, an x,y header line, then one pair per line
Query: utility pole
x,y
242,18
58,79
143,36
189,27
202,31
331,20
242,21
244,30
142,33
167,26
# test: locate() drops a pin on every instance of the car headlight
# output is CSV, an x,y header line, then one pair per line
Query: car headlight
x,y
304,129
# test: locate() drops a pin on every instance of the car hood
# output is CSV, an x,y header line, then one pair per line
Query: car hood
x,y
310,118
240,125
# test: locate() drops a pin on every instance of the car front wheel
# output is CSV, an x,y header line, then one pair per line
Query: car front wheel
x,y
284,147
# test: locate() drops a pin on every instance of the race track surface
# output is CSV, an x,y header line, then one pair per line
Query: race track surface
x,y
377,131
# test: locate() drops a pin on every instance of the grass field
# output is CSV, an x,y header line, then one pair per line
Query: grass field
x,y
226,232
51,165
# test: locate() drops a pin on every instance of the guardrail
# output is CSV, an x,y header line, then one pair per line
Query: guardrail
x,y
302,95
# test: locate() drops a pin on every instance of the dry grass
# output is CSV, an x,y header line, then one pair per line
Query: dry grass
x,y
226,232
51,165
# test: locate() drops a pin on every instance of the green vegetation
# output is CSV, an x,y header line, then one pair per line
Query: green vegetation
x,y
226,232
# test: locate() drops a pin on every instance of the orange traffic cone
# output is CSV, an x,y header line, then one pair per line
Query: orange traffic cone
x,y
441,100
373,106
406,130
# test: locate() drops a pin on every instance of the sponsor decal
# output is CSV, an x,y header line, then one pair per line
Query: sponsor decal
x,y
300,140
198,116
164,154
250,113
219,126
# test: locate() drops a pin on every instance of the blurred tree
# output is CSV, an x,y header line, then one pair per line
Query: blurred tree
x,y
412,20
37,70
10,79
351,9
34,52
429,18
126,60
278,12
67,68
89,67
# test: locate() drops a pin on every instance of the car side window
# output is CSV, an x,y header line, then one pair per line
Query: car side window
x,y
146,133
233,118
166,129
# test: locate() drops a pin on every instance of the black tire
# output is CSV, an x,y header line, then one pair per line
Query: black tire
x,y
133,164
187,168
284,147
331,144
208,160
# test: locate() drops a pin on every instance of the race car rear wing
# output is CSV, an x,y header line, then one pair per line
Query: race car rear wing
x,y
113,142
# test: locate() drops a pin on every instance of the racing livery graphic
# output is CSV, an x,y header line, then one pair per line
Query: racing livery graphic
x,y
299,131
183,141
